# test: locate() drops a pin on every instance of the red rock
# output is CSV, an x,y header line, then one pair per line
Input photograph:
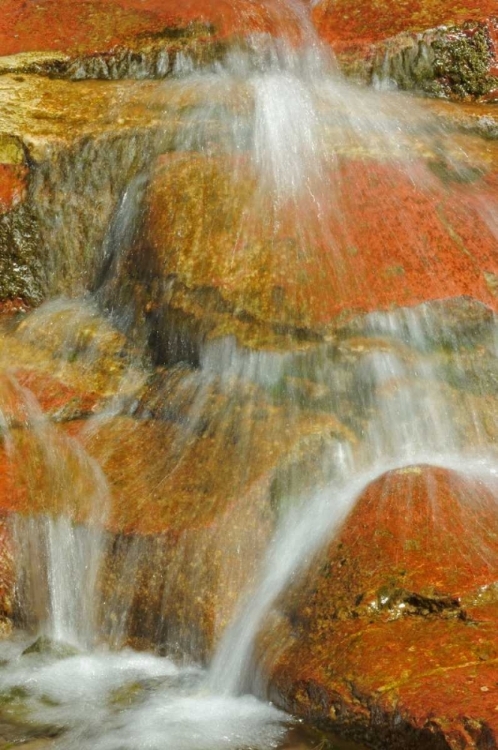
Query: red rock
x,y
90,26
13,183
396,639
56,399
388,236
366,21
442,48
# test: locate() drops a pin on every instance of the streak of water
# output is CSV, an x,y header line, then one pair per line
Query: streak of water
x,y
57,562
303,532
282,123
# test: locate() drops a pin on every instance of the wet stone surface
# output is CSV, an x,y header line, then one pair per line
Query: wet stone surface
x,y
287,282
405,624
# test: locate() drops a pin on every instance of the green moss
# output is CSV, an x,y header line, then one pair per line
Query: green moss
x,y
20,263
461,65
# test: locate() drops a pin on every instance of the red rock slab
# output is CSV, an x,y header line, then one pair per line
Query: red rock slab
x,y
89,26
13,184
397,635
57,399
407,684
344,22
388,234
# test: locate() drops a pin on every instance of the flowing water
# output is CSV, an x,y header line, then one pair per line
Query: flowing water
x,y
282,111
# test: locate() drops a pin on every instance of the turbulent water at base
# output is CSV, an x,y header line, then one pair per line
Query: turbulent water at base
x,y
84,690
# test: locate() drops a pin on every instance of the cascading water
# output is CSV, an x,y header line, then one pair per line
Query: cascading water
x,y
281,118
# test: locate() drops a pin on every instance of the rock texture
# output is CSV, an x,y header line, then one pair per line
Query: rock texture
x,y
239,322
443,49
211,262
394,636
130,38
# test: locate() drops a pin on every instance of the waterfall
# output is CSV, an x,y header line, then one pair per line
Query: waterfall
x,y
233,366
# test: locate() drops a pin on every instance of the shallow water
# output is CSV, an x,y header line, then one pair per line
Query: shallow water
x,y
127,700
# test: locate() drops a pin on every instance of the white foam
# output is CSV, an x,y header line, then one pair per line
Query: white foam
x,y
167,706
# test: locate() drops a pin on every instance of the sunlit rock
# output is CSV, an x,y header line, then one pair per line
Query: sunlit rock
x,y
221,256
132,38
395,638
445,48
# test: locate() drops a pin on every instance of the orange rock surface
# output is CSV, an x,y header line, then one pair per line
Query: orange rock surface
x,y
391,235
343,22
13,181
395,638
89,26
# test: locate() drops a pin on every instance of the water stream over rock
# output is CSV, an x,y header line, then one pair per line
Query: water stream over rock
x,y
265,291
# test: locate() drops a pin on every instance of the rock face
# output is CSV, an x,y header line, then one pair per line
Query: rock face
x,y
129,38
443,49
245,320
211,263
186,520
393,635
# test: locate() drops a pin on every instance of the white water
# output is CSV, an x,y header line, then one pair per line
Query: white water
x,y
126,700
292,103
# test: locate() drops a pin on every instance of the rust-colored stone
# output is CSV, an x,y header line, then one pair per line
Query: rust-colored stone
x,y
89,26
12,185
443,48
238,263
396,640
345,21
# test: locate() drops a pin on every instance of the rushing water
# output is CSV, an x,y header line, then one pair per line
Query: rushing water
x,y
83,687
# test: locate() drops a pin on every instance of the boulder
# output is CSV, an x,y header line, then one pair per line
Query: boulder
x,y
444,49
220,256
393,636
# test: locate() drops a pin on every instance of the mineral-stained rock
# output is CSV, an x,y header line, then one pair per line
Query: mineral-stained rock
x,y
185,496
70,154
220,256
393,637
67,359
130,38
445,48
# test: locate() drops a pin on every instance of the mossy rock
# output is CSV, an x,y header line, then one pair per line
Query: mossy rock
x,y
462,63
48,647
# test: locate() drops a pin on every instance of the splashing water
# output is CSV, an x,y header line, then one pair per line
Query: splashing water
x,y
386,393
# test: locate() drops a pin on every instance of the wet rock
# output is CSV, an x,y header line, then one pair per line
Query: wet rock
x,y
395,639
443,49
78,156
129,38
456,62
47,646
64,361
184,491
194,488
192,516
211,262
91,40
